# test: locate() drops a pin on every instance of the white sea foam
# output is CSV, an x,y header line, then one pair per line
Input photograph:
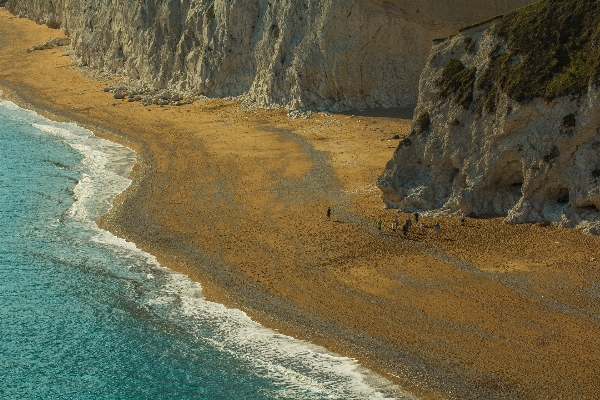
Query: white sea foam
x,y
105,166
124,246
301,369
56,131
9,104
83,191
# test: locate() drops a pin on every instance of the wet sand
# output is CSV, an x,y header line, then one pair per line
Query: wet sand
x,y
236,199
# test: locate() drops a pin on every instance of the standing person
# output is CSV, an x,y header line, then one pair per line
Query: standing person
x,y
416,217
437,228
408,223
422,228
379,224
462,217
405,229
396,220
328,212
394,226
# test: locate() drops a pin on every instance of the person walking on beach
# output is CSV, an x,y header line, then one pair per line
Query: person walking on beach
x,y
328,212
437,228
462,217
416,217
394,226
422,228
408,223
405,229
379,224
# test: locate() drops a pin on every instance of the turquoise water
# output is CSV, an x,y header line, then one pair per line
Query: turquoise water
x,y
85,315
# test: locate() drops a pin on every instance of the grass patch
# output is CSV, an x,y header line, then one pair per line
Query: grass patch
x,y
459,81
423,122
552,49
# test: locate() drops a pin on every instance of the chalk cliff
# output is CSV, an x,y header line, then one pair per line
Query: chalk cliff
x,y
508,121
277,53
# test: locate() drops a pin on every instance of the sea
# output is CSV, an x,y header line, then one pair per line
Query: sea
x,y
87,315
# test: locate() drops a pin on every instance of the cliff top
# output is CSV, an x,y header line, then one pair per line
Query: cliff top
x,y
551,50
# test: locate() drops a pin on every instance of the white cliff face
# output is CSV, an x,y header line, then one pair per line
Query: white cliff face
x,y
278,53
532,161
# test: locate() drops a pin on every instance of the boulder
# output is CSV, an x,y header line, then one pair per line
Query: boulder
x,y
56,42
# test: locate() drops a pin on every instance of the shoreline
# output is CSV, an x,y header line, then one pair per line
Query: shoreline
x,y
211,291
104,165
240,208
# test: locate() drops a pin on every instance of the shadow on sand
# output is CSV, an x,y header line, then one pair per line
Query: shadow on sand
x,y
394,112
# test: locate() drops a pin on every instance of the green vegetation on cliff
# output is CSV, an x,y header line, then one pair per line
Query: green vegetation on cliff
x,y
552,49
423,122
458,80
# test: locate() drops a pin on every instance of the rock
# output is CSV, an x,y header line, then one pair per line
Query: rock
x,y
295,114
120,93
164,95
506,150
56,42
298,55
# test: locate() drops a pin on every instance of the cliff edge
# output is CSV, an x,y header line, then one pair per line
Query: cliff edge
x,y
295,54
508,121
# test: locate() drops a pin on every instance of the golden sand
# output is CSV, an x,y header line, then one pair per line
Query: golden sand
x,y
236,200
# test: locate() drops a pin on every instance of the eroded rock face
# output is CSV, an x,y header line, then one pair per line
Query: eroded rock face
x,y
295,54
533,160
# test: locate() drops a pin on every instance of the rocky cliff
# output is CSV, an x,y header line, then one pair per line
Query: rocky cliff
x,y
295,54
508,121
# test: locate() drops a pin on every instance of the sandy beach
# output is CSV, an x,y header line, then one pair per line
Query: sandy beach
x,y
236,199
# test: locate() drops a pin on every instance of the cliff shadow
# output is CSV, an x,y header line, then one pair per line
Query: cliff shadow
x,y
392,112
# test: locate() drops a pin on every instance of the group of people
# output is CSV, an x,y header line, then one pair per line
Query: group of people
x,y
408,224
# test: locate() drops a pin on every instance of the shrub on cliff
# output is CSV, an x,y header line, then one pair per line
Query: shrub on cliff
x,y
458,80
423,122
551,50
